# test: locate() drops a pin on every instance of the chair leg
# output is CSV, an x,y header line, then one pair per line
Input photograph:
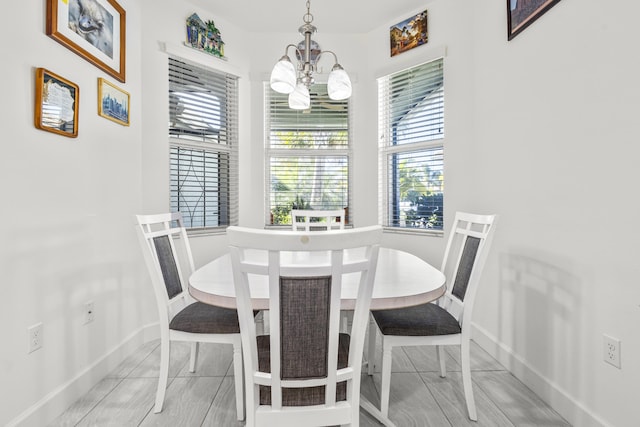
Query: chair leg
x,y
371,357
238,379
441,360
194,356
386,378
466,380
252,393
163,376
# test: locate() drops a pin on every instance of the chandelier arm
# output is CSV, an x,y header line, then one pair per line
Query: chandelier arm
x,y
335,57
286,49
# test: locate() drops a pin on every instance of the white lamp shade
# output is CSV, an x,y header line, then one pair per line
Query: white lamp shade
x,y
339,84
283,76
300,99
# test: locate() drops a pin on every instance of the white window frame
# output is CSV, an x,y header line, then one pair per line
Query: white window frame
x,y
387,150
279,152
225,183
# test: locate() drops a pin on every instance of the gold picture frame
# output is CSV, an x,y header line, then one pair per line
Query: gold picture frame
x,y
113,102
93,29
56,104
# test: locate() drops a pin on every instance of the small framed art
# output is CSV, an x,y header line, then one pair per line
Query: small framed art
x,y
93,29
522,13
56,104
113,102
410,33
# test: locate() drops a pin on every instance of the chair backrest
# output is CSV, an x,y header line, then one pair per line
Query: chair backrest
x,y
311,220
304,272
167,253
464,259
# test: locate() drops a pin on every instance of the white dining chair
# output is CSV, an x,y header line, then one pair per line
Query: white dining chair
x,y
447,321
165,243
311,219
305,372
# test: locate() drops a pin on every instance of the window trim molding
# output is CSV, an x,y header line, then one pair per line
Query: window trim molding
x,y
427,55
200,58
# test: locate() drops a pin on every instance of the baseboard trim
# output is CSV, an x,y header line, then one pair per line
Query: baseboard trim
x,y
553,395
44,411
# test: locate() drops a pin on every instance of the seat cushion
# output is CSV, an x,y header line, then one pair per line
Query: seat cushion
x,y
201,318
421,320
301,396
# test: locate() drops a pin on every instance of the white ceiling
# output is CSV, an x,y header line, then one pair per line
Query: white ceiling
x,y
330,16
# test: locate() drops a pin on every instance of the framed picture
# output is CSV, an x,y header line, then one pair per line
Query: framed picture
x,y
410,33
522,13
94,29
56,106
113,102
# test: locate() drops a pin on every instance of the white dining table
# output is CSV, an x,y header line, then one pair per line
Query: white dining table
x,y
402,280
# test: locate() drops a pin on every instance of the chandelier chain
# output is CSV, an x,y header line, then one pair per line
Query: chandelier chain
x,y
308,17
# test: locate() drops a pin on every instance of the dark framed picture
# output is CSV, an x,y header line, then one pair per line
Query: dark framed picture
x,y
94,29
522,13
113,102
410,33
56,106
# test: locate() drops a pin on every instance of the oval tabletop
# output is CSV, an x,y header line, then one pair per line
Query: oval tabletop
x,y
402,280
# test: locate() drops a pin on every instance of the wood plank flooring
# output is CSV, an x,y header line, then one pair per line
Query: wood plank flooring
x,y
419,397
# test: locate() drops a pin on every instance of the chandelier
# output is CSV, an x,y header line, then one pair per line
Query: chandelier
x,y
295,81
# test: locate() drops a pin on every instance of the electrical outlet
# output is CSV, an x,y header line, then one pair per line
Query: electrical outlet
x,y
35,337
89,314
611,350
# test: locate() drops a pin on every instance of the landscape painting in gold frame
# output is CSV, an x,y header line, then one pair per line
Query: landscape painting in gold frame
x,y
113,102
56,104
93,29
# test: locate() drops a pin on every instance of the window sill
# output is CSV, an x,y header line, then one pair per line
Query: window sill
x,y
210,231
414,231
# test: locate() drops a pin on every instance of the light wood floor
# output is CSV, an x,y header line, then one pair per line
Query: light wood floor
x,y
419,397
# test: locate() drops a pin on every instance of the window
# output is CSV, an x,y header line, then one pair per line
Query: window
x,y
411,129
307,154
203,145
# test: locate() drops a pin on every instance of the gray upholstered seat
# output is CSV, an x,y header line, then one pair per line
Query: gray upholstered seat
x,y
425,319
201,318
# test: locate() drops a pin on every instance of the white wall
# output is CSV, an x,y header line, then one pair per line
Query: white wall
x,y
66,222
543,131
540,130
555,152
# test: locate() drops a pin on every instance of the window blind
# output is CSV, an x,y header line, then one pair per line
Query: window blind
x,y
411,128
203,129
308,155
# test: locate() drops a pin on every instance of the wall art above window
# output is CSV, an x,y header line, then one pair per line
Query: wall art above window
x,y
94,29
204,36
410,33
522,13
